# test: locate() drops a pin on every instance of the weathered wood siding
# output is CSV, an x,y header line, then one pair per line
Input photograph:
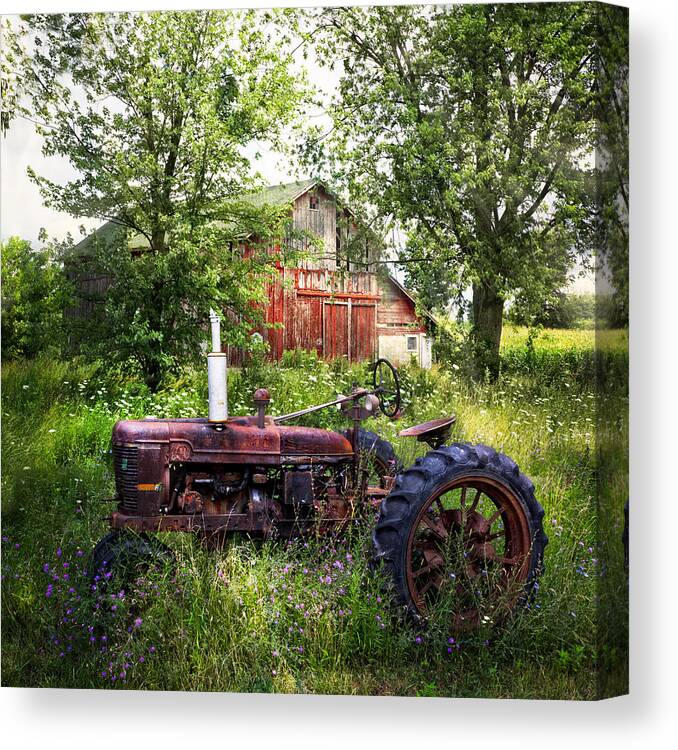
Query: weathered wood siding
x,y
315,213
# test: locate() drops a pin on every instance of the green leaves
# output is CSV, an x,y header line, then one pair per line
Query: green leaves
x,y
471,126
154,111
35,292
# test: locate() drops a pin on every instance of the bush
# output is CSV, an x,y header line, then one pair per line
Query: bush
x,y
563,311
34,296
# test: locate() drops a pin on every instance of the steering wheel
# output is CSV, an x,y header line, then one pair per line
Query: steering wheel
x,y
386,387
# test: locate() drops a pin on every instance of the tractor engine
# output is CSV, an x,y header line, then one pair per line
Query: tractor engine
x,y
226,473
193,467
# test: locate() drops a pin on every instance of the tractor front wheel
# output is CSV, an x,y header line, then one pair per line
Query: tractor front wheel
x,y
461,537
122,556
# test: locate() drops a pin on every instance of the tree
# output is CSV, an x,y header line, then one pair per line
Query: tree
x,y
613,157
34,294
154,111
469,125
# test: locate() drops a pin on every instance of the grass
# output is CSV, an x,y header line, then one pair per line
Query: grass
x,y
309,616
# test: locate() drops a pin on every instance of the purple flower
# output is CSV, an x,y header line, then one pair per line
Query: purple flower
x,y
58,552
45,567
151,650
137,622
418,640
17,545
50,591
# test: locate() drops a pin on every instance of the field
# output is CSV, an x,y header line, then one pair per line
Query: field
x,y
308,616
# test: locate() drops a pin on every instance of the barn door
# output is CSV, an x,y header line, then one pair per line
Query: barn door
x,y
362,332
350,330
336,329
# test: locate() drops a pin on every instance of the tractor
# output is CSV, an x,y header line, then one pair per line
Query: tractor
x,y
461,522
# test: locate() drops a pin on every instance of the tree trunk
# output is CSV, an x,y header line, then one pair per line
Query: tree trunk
x,y
488,309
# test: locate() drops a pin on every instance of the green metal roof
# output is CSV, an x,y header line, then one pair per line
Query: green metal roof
x,y
110,232
280,195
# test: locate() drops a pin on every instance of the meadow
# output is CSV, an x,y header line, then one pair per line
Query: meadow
x,y
308,616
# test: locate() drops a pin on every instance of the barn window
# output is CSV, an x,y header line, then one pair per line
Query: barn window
x,y
411,343
313,202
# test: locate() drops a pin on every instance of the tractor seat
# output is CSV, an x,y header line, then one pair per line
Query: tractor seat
x,y
433,433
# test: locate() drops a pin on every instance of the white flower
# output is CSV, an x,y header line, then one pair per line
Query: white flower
x,y
25,387
52,430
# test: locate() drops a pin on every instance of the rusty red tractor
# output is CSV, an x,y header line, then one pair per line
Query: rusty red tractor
x,y
460,530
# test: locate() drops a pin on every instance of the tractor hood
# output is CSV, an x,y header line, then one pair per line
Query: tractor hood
x,y
237,440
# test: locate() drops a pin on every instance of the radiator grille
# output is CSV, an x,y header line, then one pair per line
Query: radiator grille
x,y
127,475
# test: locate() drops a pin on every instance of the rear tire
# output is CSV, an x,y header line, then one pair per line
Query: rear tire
x,y
461,532
379,456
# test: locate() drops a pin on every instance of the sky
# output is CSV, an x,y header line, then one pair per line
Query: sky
x,y
23,214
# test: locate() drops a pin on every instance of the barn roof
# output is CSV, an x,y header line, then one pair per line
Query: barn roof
x,y
272,195
280,195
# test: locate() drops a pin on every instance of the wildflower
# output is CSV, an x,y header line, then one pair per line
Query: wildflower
x,y
151,650
418,640
137,622
50,591
58,552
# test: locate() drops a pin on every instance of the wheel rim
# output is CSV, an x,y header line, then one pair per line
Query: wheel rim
x,y
468,552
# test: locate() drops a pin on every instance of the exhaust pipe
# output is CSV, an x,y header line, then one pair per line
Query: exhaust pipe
x,y
217,373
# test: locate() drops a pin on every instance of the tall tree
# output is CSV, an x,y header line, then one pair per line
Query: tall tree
x,y
469,124
613,155
155,112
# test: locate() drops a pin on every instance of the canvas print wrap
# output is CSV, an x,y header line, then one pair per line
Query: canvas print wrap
x,y
315,350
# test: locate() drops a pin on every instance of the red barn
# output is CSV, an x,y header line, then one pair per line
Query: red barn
x,y
335,303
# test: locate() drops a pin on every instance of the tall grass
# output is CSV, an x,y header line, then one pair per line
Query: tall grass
x,y
306,616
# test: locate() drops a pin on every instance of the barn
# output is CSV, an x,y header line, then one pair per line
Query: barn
x,y
334,301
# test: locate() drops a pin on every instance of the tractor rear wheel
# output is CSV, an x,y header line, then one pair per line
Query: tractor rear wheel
x,y
461,537
377,456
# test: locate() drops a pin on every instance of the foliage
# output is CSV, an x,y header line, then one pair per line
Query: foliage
x,y
34,294
310,616
469,124
613,144
154,112
562,311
